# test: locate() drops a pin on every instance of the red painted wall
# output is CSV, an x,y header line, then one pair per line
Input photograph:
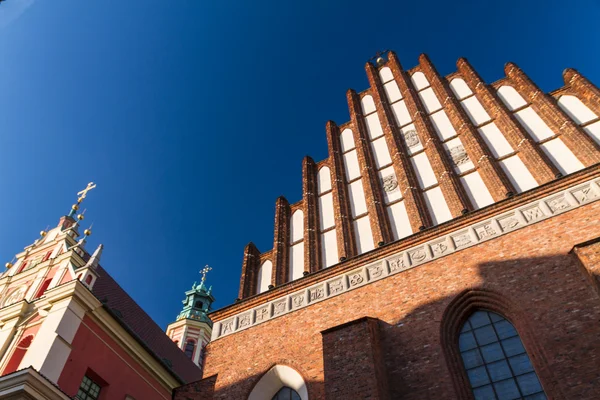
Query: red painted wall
x,y
112,364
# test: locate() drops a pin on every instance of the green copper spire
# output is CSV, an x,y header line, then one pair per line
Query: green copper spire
x,y
198,301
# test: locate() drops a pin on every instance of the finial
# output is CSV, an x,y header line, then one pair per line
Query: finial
x,y
88,231
204,271
378,58
82,195
10,263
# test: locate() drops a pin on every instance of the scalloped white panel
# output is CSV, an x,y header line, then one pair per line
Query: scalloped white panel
x,y
329,251
368,105
392,91
475,110
351,165
423,170
476,190
414,148
534,124
594,131
399,220
326,214
347,140
495,140
419,80
511,97
297,226
436,203
373,126
442,125
296,261
576,109
430,100
518,174
401,113
356,194
385,74
460,88
264,276
363,235
451,144
381,152
324,179
394,194
561,156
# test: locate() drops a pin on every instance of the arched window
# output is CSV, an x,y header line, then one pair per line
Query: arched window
x,y
18,354
286,393
496,362
189,348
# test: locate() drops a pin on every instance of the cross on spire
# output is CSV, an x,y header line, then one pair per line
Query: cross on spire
x,y
83,193
204,271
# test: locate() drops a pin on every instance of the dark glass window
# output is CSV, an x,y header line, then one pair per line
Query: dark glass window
x,y
286,393
198,304
89,390
189,348
496,362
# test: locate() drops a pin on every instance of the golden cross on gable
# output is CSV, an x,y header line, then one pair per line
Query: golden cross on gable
x,y
83,193
204,271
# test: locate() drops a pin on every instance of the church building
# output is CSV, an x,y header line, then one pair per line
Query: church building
x,y
447,248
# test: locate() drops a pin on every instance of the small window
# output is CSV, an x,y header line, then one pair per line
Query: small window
x,y
286,393
43,288
189,348
89,390
198,304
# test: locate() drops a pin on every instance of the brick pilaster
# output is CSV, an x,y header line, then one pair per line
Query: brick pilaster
x,y
455,195
582,145
380,225
490,171
532,156
250,266
341,204
311,216
407,180
281,242
586,91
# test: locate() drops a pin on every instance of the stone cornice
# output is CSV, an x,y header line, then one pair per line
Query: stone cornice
x,y
498,219
29,384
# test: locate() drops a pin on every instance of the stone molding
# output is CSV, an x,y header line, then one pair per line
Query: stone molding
x,y
462,238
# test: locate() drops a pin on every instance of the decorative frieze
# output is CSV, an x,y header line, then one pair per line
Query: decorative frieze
x,y
489,229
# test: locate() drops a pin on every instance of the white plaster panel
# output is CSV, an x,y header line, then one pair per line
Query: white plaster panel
x,y
495,140
460,88
392,91
456,145
6,334
399,220
423,170
329,248
594,131
326,215
381,152
532,122
363,234
297,226
576,109
357,198
296,261
373,126
324,180
476,190
351,165
414,147
561,156
368,105
511,97
391,194
276,378
430,100
475,110
401,113
436,203
419,80
518,174
265,273
385,74
442,125
347,140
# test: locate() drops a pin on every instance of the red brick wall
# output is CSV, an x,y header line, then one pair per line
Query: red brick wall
x,y
589,257
551,303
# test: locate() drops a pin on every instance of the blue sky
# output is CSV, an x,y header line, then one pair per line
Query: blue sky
x,y
193,116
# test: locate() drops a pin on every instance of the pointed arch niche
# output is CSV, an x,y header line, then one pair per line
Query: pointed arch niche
x,y
275,379
455,318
